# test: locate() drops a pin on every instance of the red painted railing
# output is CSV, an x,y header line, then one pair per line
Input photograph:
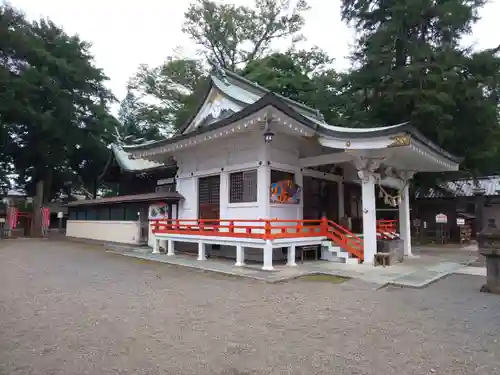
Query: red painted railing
x,y
263,229
345,239
387,225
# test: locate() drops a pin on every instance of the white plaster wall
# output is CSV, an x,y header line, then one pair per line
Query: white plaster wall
x,y
113,231
285,211
221,157
284,155
240,152
188,207
284,150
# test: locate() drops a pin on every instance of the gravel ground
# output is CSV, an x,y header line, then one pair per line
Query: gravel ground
x,y
73,309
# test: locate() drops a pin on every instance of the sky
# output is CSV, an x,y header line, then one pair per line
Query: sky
x,y
125,34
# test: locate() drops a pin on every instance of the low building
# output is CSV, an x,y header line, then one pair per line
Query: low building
x,y
259,171
462,198
143,187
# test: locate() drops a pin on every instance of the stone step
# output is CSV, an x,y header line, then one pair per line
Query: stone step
x,y
338,252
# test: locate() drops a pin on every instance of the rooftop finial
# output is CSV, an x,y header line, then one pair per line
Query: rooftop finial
x,y
320,115
218,70
118,137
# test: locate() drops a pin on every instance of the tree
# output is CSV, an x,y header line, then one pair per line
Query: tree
x,y
129,116
160,94
409,66
235,35
55,124
281,74
304,76
230,36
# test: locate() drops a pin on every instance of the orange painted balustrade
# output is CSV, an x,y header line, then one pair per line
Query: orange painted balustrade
x,y
263,229
387,226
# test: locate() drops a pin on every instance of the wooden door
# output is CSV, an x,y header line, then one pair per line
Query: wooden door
x,y
312,198
330,199
209,197
320,198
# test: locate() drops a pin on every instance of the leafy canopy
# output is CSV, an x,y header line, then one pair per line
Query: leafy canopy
x,y
234,35
409,66
54,119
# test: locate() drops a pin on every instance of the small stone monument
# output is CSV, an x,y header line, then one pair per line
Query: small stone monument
x,y
489,247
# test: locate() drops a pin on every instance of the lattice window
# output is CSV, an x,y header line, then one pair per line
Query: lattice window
x,y
209,197
209,190
243,187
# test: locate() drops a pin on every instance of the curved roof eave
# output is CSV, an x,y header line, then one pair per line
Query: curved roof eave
x,y
416,134
405,127
134,165
271,99
268,99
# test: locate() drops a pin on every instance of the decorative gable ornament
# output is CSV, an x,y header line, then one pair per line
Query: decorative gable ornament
x,y
216,109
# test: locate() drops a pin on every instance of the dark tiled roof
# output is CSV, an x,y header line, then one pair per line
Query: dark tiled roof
x,y
271,99
463,188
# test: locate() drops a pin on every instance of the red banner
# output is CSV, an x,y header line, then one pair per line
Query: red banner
x,y
12,217
45,217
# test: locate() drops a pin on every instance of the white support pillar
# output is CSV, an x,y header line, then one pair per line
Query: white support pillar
x,y
156,247
290,258
366,168
369,218
240,256
404,220
299,180
171,250
223,194
201,251
267,257
263,191
341,199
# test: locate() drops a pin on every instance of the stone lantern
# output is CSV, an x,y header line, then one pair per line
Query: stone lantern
x,y
489,247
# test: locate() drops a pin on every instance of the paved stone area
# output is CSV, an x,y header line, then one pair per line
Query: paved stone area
x,y
415,272
68,308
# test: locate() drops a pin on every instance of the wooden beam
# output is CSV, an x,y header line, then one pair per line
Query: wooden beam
x,y
333,158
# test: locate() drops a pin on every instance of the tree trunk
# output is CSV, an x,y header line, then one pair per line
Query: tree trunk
x,y
36,222
94,189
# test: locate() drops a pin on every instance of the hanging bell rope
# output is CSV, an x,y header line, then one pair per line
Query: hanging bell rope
x,y
391,200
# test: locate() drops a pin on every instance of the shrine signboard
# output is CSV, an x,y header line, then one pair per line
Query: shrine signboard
x,y
441,219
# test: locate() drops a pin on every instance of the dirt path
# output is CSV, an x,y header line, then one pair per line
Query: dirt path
x,y
71,309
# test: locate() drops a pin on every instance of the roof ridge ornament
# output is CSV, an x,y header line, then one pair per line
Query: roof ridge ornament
x,y
319,115
218,70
